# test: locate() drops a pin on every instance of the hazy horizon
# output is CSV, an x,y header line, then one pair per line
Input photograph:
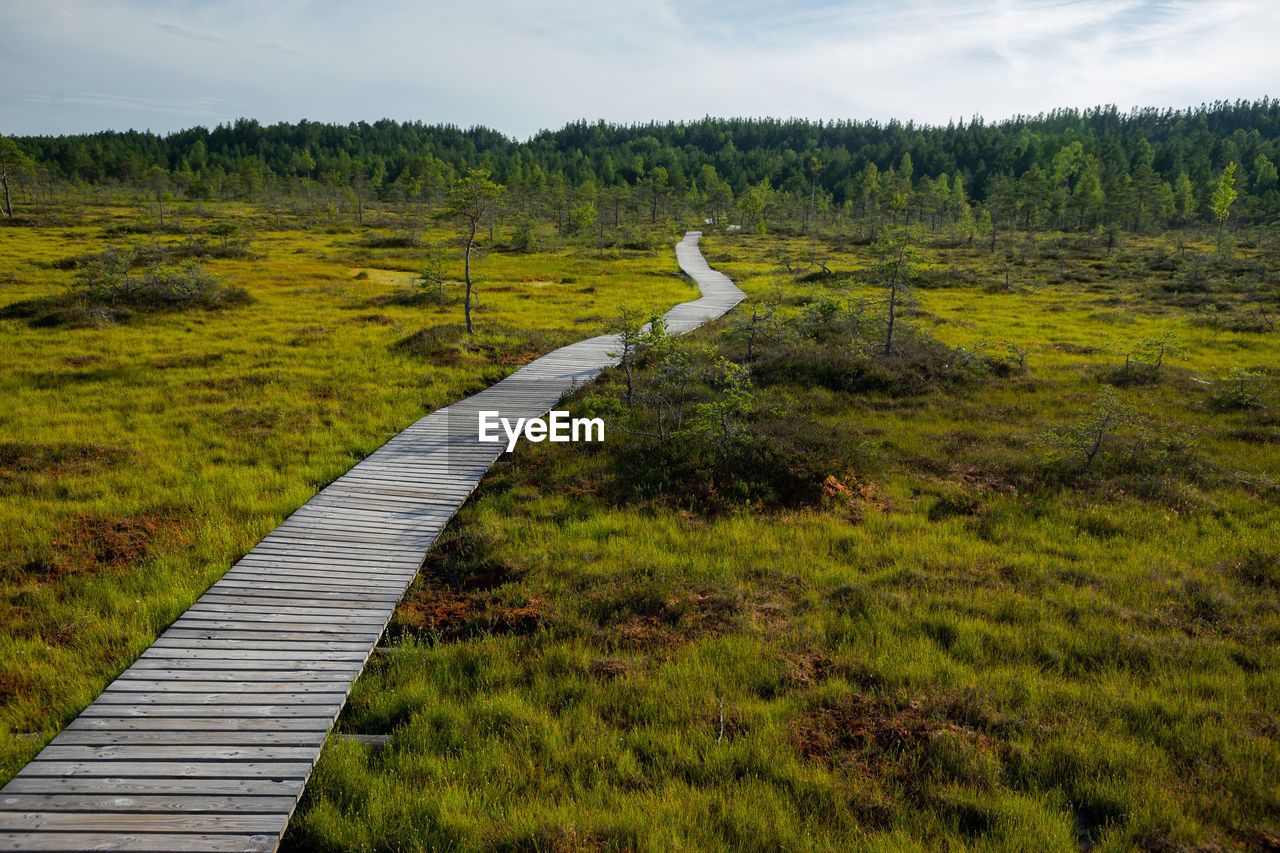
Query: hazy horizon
x,y
957,120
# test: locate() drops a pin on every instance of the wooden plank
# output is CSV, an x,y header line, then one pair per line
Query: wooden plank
x,y
60,821
238,723
292,624
182,685
388,488
219,609
97,709
421,516
218,645
386,583
118,786
287,563
187,664
335,543
347,497
222,697
267,640
295,637
170,769
360,532
438,473
289,558
324,554
167,842
320,589
143,803
291,615
335,597
383,585
171,752
310,676
251,657
288,567
268,600
338,587
88,737
393,493
330,608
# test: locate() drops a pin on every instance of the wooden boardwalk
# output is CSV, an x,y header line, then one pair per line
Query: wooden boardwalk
x,y
206,741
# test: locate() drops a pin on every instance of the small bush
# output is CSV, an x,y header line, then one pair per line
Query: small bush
x,y
144,255
434,342
395,240
955,503
753,469
1239,392
108,291
1234,318
1255,568
417,297
921,365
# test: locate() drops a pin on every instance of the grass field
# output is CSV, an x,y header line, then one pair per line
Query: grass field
x,y
964,635
140,457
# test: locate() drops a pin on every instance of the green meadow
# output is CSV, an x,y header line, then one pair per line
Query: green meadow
x,y
1011,587
144,449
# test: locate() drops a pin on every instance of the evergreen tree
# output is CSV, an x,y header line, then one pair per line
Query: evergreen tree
x,y
468,202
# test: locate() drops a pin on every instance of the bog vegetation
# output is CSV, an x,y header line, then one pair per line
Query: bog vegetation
x,y
170,397
958,533
1003,580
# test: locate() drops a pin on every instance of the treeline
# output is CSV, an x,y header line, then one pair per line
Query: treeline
x,y
1067,169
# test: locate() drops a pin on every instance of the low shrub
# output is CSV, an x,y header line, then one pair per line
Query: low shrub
x,y
143,255
395,240
433,342
108,291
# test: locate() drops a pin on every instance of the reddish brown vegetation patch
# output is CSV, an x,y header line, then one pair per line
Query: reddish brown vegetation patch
x,y
519,355
877,734
558,839
641,618
641,633
858,495
19,461
447,614
1076,349
82,360
188,360
373,319
326,392
808,667
15,683
91,543
454,595
1263,839
609,667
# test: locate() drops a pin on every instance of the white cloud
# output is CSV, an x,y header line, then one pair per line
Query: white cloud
x,y
190,32
517,66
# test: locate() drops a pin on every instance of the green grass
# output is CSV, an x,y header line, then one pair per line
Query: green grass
x,y
971,643
139,460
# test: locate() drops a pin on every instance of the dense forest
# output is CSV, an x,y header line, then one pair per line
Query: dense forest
x,y
1064,170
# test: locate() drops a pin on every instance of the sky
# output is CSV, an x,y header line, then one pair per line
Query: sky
x,y
520,66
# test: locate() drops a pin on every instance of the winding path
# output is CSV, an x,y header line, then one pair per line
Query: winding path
x,y
206,741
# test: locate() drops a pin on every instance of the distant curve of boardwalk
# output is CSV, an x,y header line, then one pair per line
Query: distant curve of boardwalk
x,y
206,742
